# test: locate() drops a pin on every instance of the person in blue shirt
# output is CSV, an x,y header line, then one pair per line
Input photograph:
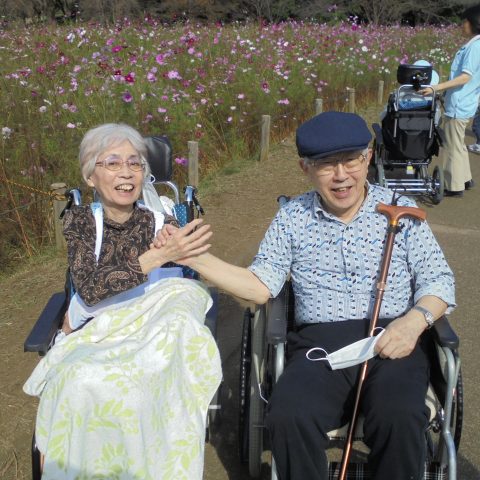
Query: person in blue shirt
x,y
475,147
461,101
330,241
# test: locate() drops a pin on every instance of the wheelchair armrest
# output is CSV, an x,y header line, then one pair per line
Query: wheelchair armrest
x,y
444,334
47,324
276,330
378,133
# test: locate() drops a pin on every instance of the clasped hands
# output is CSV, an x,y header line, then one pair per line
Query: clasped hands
x,y
180,245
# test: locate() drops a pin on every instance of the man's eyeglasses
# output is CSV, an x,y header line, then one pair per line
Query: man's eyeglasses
x,y
115,163
327,167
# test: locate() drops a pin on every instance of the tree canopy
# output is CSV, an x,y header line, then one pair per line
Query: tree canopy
x,y
106,11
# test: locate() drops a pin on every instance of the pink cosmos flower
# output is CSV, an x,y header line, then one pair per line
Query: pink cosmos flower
x,y
159,59
173,75
161,110
127,97
130,77
283,101
151,77
71,125
117,48
181,161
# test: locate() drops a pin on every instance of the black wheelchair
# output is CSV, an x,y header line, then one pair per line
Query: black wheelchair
x,y
262,360
50,320
409,137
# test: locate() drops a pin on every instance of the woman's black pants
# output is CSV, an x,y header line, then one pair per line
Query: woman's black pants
x,y
310,400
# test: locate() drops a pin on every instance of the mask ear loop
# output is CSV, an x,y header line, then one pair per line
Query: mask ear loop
x,y
316,359
150,180
378,334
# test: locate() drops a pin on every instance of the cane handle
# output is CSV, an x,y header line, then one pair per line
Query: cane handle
x,y
394,212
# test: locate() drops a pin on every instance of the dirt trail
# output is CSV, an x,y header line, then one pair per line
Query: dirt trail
x,y
239,208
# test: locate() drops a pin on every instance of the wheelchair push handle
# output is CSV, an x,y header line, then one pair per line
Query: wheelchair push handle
x,y
394,213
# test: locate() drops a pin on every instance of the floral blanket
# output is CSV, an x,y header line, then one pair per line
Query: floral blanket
x,y
126,397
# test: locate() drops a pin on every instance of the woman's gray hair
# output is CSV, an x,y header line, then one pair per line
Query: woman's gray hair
x,y
97,140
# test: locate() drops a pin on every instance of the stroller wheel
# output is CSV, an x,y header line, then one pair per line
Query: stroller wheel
x,y
438,185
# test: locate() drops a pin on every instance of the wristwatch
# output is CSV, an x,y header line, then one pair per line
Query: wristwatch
x,y
428,315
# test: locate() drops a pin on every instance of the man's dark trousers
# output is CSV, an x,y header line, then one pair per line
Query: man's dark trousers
x,y
310,400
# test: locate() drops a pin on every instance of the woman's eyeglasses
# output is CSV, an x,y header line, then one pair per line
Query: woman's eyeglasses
x,y
115,163
325,167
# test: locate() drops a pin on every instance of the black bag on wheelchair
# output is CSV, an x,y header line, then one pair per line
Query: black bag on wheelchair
x,y
410,134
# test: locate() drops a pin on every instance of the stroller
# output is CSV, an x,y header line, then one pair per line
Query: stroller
x,y
409,138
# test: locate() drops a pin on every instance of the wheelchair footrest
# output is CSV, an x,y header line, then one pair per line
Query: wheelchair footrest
x,y
359,471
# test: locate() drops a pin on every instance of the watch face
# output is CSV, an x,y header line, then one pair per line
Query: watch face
x,y
429,319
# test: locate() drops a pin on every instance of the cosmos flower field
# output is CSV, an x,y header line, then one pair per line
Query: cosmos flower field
x,y
209,83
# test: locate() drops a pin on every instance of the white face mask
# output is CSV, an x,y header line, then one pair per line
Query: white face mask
x,y
350,355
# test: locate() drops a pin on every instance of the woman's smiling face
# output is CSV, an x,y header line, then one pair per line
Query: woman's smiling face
x,y
120,189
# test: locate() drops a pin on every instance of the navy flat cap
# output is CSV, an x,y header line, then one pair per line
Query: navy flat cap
x,y
332,132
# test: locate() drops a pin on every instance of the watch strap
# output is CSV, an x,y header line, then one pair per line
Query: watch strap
x,y
427,314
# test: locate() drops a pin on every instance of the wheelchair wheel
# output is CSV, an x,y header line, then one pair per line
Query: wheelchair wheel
x,y
434,440
457,411
257,405
244,387
438,185
36,460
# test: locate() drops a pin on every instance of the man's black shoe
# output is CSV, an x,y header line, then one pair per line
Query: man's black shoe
x,y
469,185
451,193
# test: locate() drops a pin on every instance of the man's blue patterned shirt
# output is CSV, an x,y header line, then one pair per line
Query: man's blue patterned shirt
x,y
334,266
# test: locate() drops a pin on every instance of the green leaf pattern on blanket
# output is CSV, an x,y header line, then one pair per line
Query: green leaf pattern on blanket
x,y
113,414
134,385
181,456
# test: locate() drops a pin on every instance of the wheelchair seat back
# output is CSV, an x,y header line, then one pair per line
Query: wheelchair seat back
x,y
159,157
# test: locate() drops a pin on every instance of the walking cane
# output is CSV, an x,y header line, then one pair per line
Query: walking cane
x,y
394,213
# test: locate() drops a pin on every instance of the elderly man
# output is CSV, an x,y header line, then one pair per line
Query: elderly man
x,y
330,240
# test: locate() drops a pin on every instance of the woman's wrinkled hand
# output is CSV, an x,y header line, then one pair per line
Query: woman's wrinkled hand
x,y
180,244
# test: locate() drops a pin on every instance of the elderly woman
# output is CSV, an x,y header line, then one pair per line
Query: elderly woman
x,y
135,382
